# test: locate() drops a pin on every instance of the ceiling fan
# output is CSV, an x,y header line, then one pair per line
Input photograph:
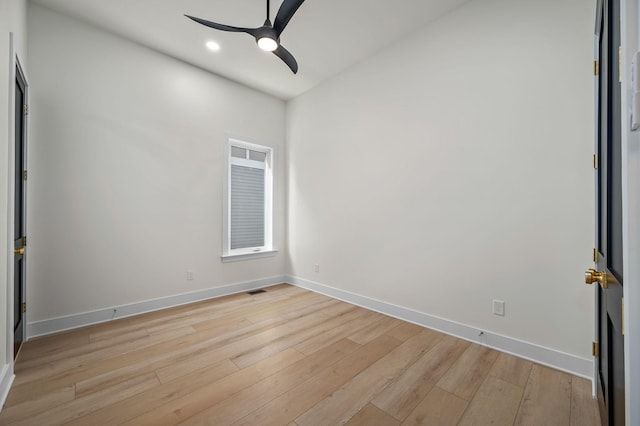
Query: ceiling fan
x,y
267,36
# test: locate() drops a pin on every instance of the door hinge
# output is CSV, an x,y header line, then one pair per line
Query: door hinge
x,y
595,254
24,241
24,307
596,163
619,64
25,109
622,316
24,175
596,67
595,349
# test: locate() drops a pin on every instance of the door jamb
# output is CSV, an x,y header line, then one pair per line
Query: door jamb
x,y
596,130
629,33
15,61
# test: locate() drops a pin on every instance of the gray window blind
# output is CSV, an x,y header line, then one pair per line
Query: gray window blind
x,y
238,152
247,207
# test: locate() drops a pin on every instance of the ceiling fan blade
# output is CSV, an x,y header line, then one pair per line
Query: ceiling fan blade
x,y
287,58
222,27
286,11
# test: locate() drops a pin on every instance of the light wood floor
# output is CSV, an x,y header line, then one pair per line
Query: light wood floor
x,y
283,357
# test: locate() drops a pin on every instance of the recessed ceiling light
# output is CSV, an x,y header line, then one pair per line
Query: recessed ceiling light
x,y
213,46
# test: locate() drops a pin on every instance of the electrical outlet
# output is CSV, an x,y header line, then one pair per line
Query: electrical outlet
x,y
189,275
498,307
316,268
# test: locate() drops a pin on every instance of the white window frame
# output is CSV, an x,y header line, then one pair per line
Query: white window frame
x,y
229,254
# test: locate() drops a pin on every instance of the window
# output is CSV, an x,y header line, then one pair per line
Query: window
x,y
249,202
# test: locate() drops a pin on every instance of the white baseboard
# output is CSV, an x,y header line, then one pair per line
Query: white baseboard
x,y
6,379
550,357
54,325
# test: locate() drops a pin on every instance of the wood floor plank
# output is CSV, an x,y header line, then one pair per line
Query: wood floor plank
x,y
340,331
130,334
346,401
245,345
370,415
374,330
467,374
112,331
298,331
255,396
50,345
207,324
404,331
302,306
180,409
164,357
33,407
159,396
38,385
320,303
584,408
547,398
140,360
288,406
207,317
86,351
240,303
223,332
68,411
170,353
46,345
172,315
48,369
213,350
413,385
495,403
231,307
511,369
438,408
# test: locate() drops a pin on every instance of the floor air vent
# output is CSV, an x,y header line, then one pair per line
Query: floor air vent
x,y
252,292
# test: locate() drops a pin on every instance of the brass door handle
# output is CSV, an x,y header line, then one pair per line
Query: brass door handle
x,y
592,276
19,251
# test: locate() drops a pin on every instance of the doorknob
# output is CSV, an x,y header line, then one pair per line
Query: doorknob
x,y
19,251
592,276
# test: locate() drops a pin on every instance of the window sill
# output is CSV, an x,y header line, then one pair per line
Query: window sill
x,y
246,256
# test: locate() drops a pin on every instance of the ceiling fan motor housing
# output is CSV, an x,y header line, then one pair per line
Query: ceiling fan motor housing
x,y
267,31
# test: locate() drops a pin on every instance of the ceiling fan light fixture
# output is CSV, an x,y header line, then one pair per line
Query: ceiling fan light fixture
x,y
267,44
213,46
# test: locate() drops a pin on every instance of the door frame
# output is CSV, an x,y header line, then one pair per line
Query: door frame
x,y
15,62
629,35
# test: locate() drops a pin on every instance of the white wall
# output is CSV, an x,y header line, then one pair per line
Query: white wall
x,y
126,157
12,20
454,168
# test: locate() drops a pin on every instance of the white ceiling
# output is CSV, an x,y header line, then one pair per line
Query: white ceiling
x,y
325,36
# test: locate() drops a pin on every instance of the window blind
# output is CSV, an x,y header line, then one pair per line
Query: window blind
x,y
247,207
